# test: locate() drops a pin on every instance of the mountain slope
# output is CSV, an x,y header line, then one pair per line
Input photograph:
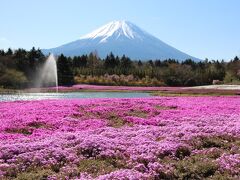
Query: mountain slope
x,y
121,37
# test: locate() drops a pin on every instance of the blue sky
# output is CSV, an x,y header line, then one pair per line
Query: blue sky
x,y
201,28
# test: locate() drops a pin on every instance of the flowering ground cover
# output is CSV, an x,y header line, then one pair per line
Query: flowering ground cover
x,y
142,138
162,91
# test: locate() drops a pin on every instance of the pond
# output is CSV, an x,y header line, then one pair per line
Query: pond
x,y
71,95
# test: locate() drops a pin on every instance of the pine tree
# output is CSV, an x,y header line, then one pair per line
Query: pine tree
x,y
9,52
65,71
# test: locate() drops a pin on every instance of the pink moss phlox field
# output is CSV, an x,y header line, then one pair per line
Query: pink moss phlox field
x,y
230,162
62,135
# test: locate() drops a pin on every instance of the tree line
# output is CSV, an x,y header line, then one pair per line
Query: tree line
x,y
18,69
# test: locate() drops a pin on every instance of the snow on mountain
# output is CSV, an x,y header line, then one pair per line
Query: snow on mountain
x,y
108,30
121,37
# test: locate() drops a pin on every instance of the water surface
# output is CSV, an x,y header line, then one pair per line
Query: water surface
x,y
71,95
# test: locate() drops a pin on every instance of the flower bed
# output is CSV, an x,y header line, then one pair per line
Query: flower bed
x,y
142,138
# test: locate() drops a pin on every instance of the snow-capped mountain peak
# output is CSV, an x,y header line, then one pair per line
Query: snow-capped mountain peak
x,y
114,29
121,38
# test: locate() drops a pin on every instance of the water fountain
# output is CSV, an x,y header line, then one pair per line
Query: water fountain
x,y
48,74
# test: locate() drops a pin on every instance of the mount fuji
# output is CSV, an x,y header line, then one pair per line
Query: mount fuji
x,y
121,37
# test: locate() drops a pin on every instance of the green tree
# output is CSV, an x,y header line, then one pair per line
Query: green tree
x,y
9,52
65,71
111,61
13,79
125,62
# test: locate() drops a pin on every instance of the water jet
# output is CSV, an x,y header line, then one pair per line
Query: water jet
x,y
48,76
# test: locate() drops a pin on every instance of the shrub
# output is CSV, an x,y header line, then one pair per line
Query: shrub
x,y
182,152
25,131
115,121
40,174
13,79
97,167
195,167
